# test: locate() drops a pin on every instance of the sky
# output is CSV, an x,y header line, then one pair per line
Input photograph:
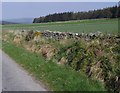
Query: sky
x,y
14,10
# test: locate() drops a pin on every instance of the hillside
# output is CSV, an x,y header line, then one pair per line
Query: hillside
x,y
6,23
21,20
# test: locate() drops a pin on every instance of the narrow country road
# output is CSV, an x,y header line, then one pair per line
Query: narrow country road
x,y
14,78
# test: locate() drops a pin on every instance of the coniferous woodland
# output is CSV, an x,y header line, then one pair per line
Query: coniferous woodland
x,y
110,12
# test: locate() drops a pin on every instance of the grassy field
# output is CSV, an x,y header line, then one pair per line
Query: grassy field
x,y
56,77
103,25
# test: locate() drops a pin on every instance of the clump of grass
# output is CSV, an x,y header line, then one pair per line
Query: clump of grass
x,y
58,78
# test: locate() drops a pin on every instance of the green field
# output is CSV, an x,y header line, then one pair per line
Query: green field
x,y
103,25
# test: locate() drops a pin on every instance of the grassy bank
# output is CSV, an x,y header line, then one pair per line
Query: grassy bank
x,y
56,77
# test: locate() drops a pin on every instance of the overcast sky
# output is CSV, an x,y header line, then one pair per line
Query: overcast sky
x,y
12,10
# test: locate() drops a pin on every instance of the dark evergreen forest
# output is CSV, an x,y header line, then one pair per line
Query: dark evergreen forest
x,y
109,12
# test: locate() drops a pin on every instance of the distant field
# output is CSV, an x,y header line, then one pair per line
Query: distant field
x,y
103,25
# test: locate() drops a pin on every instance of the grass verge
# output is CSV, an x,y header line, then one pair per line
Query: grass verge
x,y
58,78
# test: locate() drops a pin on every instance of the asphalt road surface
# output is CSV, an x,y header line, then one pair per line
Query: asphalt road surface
x,y
14,78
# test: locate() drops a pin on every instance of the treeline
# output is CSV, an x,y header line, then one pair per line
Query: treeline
x,y
110,12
